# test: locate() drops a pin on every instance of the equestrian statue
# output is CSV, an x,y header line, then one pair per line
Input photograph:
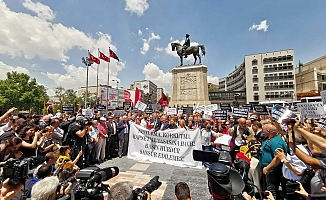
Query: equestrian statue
x,y
186,49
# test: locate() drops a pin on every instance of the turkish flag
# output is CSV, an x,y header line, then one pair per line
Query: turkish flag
x,y
113,55
138,96
164,101
104,57
94,59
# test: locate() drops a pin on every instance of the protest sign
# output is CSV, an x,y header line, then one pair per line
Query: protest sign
x,y
200,108
188,110
118,113
279,113
247,106
207,115
67,109
172,111
141,106
261,109
313,110
240,113
323,96
173,147
180,112
322,123
211,107
148,110
100,108
87,112
226,106
220,114
126,105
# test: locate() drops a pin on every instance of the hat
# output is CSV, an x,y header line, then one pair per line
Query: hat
x,y
187,35
102,119
79,118
111,117
221,177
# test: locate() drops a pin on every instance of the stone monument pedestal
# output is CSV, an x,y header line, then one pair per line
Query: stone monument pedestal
x,y
189,86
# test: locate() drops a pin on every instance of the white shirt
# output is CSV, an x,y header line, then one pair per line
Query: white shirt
x,y
297,164
206,137
143,123
94,132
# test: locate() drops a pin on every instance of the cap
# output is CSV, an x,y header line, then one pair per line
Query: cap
x,y
79,118
102,119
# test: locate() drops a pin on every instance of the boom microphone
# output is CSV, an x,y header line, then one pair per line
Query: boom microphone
x,y
103,175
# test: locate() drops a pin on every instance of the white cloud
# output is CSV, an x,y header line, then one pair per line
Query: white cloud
x,y
212,79
262,26
24,35
136,6
140,32
6,68
42,11
154,73
171,38
78,75
159,49
146,45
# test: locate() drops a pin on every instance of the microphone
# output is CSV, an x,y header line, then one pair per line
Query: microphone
x,y
103,175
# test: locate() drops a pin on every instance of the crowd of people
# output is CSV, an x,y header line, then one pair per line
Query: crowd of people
x,y
287,167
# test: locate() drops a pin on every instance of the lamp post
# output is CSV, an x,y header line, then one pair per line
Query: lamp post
x,y
118,90
88,63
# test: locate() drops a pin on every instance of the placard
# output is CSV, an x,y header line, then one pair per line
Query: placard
x,y
148,111
141,106
322,123
323,96
240,113
180,112
171,111
200,108
279,113
67,109
173,147
87,112
126,105
188,110
118,113
220,114
211,107
226,106
100,108
261,109
248,106
314,110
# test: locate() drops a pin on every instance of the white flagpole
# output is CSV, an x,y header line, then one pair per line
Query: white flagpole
x,y
107,88
98,66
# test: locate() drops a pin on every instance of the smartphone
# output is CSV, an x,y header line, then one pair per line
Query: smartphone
x,y
264,195
292,187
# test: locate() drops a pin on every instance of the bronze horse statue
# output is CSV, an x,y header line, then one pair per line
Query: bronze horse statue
x,y
194,50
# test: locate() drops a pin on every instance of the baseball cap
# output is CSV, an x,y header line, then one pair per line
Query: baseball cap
x,y
102,119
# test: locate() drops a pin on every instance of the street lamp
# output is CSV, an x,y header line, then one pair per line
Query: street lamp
x,y
118,90
88,63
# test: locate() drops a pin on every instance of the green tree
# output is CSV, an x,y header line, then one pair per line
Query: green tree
x,y
59,92
21,91
214,89
71,98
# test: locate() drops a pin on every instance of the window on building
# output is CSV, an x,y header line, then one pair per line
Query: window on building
x,y
254,62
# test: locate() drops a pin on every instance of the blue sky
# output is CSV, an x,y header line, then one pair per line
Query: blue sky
x,y
47,39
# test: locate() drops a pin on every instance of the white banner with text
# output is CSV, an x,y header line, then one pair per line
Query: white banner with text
x,y
173,147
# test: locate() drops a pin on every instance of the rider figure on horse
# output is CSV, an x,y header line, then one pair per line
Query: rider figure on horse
x,y
186,45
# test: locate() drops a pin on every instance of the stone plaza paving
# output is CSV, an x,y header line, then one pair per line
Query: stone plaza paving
x,y
140,172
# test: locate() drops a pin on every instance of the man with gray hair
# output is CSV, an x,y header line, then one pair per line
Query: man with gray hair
x,y
123,135
45,189
124,191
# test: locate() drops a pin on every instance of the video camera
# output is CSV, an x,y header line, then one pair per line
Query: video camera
x,y
17,170
89,183
85,122
151,186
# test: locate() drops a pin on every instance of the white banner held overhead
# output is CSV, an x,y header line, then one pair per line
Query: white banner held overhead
x,y
87,112
323,96
171,111
313,110
180,112
141,106
211,107
173,147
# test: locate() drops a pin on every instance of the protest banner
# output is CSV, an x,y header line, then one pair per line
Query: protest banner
x,y
314,110
323,96
171,111
200,108
226,106
141,106
279,113
220,114
67,109
173,147
240,113
261,109
87,112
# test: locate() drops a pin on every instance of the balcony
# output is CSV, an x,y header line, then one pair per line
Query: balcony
x,y
278,59
278,78
283,68
255,80
254,71
277,87
256,88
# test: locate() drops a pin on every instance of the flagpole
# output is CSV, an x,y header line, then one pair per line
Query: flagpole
x,y
98,66
107,89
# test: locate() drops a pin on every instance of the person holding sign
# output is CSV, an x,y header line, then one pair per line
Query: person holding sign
x,y
206,138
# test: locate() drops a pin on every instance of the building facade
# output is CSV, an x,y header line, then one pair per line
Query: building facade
x,y
148,87
159,94
270,76
311,77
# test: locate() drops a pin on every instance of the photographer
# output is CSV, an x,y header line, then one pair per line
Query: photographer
x,y
124,190
206,138
10,148
30,140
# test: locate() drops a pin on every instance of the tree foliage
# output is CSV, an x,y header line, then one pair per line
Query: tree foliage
x,y
20,91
